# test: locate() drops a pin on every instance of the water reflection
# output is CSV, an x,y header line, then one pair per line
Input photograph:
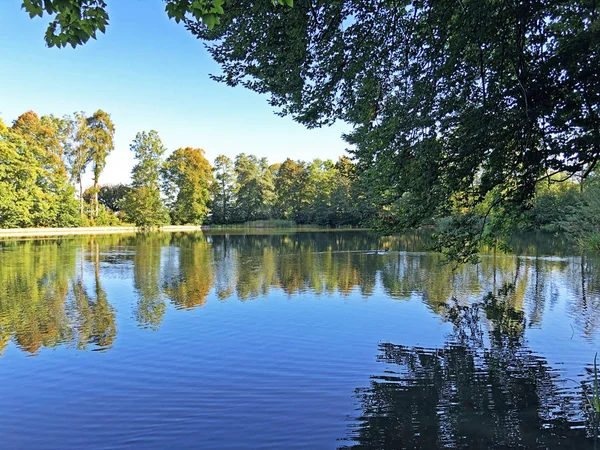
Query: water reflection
x,y
481,383
51,290
470,394
44,302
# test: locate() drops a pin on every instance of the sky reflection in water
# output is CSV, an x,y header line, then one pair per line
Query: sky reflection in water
x,y
293,340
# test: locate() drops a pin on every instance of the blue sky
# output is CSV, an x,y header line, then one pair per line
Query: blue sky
x,y
149,73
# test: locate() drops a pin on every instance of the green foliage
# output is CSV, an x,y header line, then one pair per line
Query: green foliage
x,y
113,196
143,205
449,101
318,193
223,190
98,141
187,176
569,208
321,193
34,187
76,21
591,241
87,140
291,187
144,208
255,190
552,202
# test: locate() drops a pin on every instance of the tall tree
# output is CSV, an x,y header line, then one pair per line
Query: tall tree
x,y
290,185
321,183
223,189
99,141
255,189
187,179
144,205
35,144
79,155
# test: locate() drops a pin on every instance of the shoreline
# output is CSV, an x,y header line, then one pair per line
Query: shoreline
x,y
47,232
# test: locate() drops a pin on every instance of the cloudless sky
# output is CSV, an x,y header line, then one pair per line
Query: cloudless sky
x,y
149,73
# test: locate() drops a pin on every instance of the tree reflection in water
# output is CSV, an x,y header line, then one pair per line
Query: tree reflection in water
x,y
484,389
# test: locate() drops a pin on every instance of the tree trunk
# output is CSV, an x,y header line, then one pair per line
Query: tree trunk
x,y
96,200
223,216
80,198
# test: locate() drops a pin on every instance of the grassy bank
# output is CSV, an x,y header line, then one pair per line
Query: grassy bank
x,y
254,225
42,232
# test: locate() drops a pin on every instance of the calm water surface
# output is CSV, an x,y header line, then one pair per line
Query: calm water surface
x,y
307,340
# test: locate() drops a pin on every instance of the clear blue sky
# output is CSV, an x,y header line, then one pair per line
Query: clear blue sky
x,y
149,73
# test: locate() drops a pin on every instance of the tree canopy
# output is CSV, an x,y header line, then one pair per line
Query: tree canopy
x,y
457,107
76,21
453,105
187,176
34,185
144,205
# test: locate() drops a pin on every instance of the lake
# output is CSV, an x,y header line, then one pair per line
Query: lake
x,y
295,340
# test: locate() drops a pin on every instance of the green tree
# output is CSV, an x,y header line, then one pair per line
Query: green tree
x,y
451,103
35,189
18,173
99,142
255,189
321,183
351,198
223,189
78,156
143,205
290,185
113,196
187,179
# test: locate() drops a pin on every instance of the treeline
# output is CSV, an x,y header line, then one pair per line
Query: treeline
x,y
565,207
42,157
562,205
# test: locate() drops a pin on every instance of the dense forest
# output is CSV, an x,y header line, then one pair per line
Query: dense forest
x,y
43,161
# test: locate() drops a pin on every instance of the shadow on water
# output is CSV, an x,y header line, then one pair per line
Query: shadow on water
x,y
484,389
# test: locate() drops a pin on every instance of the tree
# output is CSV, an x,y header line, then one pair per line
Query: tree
x,y
34,186
290,185
321,182
143,205
98,140
452,103
76,21
223,189
255,189
187,179
113,196
78,155
351,197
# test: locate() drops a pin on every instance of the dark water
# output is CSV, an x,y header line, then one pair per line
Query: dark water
x,y
294,340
